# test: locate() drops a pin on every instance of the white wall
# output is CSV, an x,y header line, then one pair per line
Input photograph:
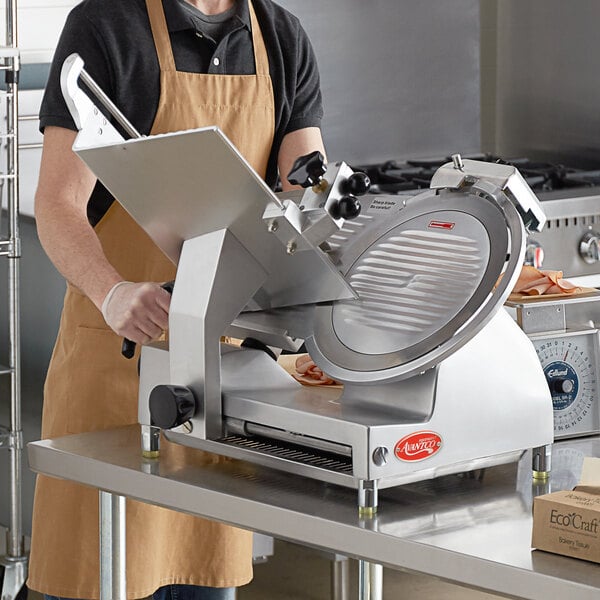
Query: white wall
x,y
39,25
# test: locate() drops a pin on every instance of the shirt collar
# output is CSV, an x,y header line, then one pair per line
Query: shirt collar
x,y
177,20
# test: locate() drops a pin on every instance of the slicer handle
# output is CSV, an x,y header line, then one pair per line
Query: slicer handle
x,y
308,170
128,347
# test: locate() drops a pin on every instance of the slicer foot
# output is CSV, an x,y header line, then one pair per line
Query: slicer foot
x,y
542,462
370,575
150,441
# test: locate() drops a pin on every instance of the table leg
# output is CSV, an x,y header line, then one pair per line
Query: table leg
x,y
112,547
340,578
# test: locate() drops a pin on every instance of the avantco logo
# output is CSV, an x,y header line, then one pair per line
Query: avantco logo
x,y
418,446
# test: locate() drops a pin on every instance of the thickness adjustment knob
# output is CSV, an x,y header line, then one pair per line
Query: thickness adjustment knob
x,y
308,170
358,184
171,406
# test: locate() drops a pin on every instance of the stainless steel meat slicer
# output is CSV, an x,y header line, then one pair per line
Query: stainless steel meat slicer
x,y
400,298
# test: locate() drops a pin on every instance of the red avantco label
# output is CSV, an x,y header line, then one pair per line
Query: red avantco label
x,y
418,446
441,225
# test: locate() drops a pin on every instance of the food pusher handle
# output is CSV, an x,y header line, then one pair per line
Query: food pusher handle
x,y
79,101
128,347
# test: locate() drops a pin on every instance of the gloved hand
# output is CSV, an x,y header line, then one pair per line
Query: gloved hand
x,y
137,311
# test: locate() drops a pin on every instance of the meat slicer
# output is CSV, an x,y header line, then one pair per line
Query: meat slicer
x,y
399,298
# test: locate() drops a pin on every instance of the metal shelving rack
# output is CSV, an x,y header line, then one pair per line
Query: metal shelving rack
x,y
13,565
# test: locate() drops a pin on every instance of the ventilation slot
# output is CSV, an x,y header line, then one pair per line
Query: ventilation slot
x,y
290,452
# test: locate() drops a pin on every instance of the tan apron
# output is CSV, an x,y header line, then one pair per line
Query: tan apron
x,y
90,386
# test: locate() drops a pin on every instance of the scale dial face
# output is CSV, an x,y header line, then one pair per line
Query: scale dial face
x,y
570,366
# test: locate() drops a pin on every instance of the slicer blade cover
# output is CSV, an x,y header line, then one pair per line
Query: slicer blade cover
x,y
428,279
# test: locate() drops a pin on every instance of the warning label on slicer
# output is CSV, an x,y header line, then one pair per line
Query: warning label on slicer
x,y
384,204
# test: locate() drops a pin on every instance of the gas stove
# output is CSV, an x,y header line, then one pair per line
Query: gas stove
x,y
570,198
392,176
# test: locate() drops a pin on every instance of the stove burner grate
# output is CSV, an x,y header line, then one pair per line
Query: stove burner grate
x,y
393,177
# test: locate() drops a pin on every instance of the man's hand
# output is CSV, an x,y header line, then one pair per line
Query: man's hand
x,y
137,311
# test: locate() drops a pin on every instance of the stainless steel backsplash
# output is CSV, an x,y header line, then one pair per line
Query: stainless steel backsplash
x,y
400,78
548,80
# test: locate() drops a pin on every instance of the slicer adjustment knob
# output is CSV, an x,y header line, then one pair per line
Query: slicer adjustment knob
x,y
589,247
347,207
171,406
308,170
358,184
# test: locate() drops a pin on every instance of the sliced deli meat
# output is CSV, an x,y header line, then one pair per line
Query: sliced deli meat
x,y
308,373
536,282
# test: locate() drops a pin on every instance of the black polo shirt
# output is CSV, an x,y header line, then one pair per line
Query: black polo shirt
x,y
115,41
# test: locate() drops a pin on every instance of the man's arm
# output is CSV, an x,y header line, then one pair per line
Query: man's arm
x,y
136,311
295,144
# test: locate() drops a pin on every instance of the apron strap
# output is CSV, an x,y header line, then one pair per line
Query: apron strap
x,y
258,42
160,33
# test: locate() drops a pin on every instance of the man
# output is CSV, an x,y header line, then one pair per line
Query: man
x,y
169,65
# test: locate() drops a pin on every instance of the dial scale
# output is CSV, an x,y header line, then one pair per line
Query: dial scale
x,y
570,364
566,340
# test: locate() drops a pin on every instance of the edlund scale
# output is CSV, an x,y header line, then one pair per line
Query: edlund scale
x,y
397,297
567,343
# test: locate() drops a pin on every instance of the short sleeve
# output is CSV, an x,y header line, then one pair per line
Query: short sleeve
x,y
82,37
307,107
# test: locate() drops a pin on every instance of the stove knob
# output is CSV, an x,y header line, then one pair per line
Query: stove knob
x,y
308,170
171,406
358,184
588,247
534,254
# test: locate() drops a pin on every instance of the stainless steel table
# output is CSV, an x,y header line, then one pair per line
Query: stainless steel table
x,y
473,530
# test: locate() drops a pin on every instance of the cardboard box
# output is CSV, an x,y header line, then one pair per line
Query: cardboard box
x,y
568,522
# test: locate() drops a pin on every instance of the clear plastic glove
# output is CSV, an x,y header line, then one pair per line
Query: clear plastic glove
x,y
137,311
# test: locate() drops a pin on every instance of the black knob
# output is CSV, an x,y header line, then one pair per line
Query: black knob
x,y
171,406
308,170
357,184
347,207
